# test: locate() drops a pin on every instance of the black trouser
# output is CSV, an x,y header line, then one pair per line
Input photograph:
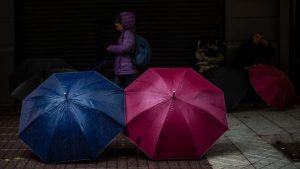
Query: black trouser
x,y
124,80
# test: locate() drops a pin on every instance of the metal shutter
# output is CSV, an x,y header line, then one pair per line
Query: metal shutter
x,y
78,31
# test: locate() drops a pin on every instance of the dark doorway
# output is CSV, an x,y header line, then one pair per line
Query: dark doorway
x,y
295,43
78,31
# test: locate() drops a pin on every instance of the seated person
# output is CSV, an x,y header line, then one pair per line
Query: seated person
x,y
253,51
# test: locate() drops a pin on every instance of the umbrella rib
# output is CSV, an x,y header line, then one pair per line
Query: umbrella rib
x,y
144,82
166,84
51,142
272,84
80,104
188,124
275,82
32,121
203,111
68,84
163,127
59,84
86,86
30,124
46,96
95,91
152,107
180,84
78,122
41,97
163,124
82,128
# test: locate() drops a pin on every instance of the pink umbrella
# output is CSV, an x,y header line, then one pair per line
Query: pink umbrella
x,y
272,85
174,113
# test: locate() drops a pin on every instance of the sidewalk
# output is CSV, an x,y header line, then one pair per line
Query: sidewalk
x,y
246,145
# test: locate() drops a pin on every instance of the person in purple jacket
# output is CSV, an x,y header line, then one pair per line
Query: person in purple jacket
x,y
125,70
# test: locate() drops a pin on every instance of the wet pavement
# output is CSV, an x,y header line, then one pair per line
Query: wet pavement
x,y
249,142
259,137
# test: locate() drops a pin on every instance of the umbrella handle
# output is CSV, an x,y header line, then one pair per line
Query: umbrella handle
x,y
174,95
66,95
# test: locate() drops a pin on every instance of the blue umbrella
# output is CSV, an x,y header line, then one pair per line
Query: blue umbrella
x,y
72,116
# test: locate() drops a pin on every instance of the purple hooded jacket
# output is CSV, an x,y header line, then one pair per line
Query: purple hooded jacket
x,y
125,46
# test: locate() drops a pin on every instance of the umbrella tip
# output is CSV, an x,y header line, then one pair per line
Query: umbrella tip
x,y
174,93
66,95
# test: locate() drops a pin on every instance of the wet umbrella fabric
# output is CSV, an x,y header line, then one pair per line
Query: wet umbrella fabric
x,y
72,116
174,113
231,81
272,85
23,89
33,72
27,86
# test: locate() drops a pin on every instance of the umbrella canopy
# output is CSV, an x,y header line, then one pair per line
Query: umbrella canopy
x,y
174,113
231,81
272,85
34,71
23,89
72,116
27,86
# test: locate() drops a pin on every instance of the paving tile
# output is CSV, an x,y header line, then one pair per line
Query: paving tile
x,y
283,120
297,164
69,166
22,163
174,164
249,167
226,155
183,164
279,165
163,165
259,124
294,111
194,164
255,149
152,164
246,145
236,128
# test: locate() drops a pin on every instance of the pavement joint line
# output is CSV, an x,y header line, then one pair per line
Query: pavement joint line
x,y
257,136
247,125
22,149
283,128
240,153
16,150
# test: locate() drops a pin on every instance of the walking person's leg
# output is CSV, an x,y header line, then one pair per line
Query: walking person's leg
x,y
119,80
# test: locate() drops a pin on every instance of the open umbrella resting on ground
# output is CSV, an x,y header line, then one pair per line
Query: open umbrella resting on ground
x,y
72,116
272,85
33,72
231,81
174,113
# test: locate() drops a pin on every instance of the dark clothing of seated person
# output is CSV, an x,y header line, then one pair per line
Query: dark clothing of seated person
x,y
253,51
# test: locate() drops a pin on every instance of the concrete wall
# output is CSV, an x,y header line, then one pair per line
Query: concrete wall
x,y
284,35
244,17
6,48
